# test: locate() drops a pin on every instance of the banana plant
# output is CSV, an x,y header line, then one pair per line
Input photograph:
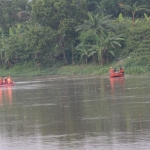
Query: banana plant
x,y
85,52
120,18
146,17
106,46
131,22
98,23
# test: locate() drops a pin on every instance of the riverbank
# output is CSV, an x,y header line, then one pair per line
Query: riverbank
x,y
90,69
64,70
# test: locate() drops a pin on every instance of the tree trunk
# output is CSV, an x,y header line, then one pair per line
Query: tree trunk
x,y
93,56
62,48
2,61
9,64
133,19
72,58
86,60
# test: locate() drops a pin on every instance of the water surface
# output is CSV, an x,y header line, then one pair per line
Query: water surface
x,y
75,113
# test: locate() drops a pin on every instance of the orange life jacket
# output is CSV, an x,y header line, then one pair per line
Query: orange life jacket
x,y
5,80
111,71
122,70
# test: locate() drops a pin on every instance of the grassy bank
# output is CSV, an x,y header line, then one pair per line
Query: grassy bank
x,y
98,70
64,70
90,69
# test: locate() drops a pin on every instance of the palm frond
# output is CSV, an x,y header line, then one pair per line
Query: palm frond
x,y
126,7
142,6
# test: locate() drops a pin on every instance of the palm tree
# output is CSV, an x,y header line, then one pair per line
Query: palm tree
x,y
134,9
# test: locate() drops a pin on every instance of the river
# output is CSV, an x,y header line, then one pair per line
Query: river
x,y
75,113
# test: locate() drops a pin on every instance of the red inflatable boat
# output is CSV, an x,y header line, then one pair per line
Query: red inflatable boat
x,y
7,85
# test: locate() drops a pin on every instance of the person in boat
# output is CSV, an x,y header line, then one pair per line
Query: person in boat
x,y
111,70
9,80
5,80
1,80
121,70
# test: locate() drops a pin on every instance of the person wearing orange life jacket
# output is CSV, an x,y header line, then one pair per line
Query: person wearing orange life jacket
x,y
121,70
9,80
111,70
1,81
5,80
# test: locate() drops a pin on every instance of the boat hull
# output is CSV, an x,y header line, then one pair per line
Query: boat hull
x,y
7,85
116,74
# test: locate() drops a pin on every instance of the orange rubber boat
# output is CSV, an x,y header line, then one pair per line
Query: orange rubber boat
x,y
113,73
7,84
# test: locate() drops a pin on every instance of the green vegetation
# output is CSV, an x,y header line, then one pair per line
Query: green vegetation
x,y
90,69
74,36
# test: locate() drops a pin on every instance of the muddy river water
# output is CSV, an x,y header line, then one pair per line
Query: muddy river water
x,y
75,113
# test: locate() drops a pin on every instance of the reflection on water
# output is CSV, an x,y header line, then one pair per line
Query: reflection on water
x,y
116,82
5,95
1,94
75,113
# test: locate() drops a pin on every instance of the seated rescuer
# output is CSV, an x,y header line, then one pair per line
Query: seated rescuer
x,y
1,80
5,80
110,70
9,80
121,70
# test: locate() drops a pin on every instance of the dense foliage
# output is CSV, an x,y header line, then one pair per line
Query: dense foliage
x,y
53,33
